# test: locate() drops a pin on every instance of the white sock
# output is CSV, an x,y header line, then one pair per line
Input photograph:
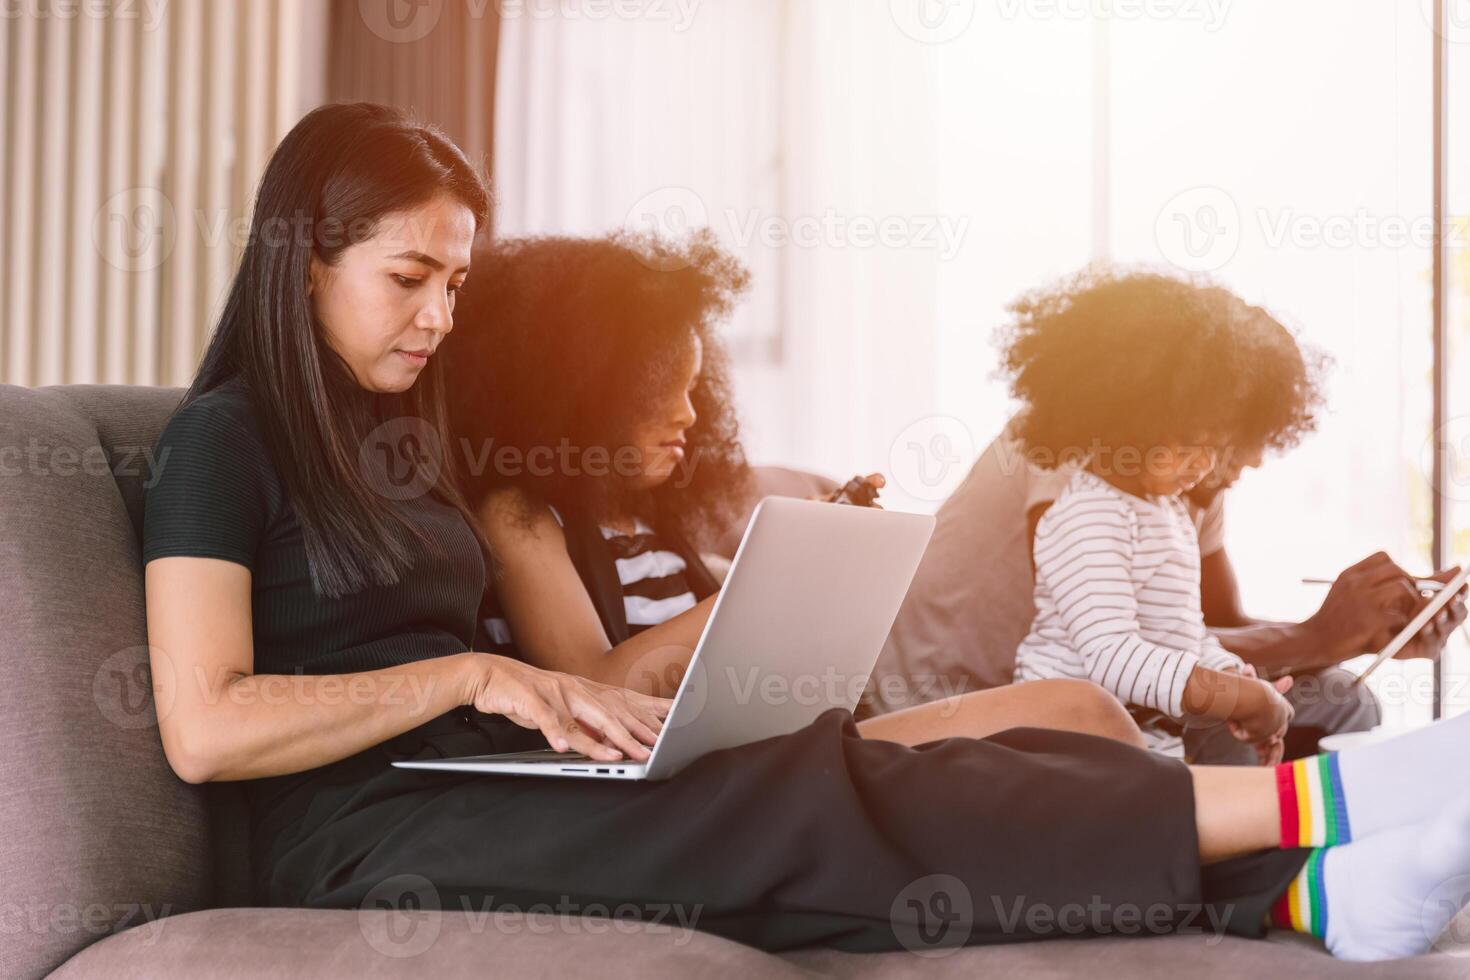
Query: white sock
x,y
1391,894
1401,781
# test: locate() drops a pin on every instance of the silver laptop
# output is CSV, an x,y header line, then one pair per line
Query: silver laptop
x,y
808,602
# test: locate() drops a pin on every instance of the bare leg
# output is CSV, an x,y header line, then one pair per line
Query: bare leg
x,y
1236,810
1062,705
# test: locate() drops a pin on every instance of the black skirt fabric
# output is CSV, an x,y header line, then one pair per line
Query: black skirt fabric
x,y
820,837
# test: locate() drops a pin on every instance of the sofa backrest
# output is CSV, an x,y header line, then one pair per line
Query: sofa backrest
x,y
768,481
96,832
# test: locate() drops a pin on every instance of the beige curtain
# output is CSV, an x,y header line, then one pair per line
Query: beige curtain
x,y
435,57
134,135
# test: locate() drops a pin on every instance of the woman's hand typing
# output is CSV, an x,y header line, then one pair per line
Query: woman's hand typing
x,y
575,714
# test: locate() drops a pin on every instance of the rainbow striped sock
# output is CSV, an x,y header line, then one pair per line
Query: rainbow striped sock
x,y
1303,906
1313,810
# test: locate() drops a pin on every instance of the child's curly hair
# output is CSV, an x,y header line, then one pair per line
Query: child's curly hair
x,y
558,341
1117,358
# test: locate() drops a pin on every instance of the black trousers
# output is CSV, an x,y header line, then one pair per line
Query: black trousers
x,y
818,837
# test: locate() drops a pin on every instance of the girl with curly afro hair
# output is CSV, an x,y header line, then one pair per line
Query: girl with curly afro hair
x,y
1148,387
589,394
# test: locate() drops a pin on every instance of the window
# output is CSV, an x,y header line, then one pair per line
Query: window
x,y
1288,154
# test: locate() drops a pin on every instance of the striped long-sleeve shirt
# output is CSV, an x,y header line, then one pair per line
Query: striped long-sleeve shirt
x,y
1117,599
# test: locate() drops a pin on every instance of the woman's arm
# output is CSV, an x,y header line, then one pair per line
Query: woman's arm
x,y
552,617
221,721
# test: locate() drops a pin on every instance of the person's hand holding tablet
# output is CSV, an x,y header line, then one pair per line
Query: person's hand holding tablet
x,y
1430,608
1429,642
1370,602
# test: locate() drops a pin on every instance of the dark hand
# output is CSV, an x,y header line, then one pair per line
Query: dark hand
x,y
1429,642
860,491
1367,604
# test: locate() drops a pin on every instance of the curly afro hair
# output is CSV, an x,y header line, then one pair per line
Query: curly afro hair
x,y
563,341
1137,359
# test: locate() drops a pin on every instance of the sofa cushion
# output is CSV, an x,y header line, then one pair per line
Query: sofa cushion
x,y
390,943
383,942
95,829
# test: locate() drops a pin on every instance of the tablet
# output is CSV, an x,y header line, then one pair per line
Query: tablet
x,y
1436,602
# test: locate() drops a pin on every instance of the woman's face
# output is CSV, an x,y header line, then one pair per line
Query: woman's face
x,y
660,440
389,300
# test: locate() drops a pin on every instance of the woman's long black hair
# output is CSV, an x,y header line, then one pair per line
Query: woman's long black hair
x,y
336,175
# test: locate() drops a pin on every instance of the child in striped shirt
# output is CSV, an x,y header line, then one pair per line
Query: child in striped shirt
x,y
1140,384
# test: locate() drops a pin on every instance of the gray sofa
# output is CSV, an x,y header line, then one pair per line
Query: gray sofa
x,y
111,866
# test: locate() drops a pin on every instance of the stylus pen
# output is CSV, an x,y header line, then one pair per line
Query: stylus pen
x,y
1422,584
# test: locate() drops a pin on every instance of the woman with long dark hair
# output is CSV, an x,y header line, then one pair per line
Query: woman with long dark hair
x,y
312,582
